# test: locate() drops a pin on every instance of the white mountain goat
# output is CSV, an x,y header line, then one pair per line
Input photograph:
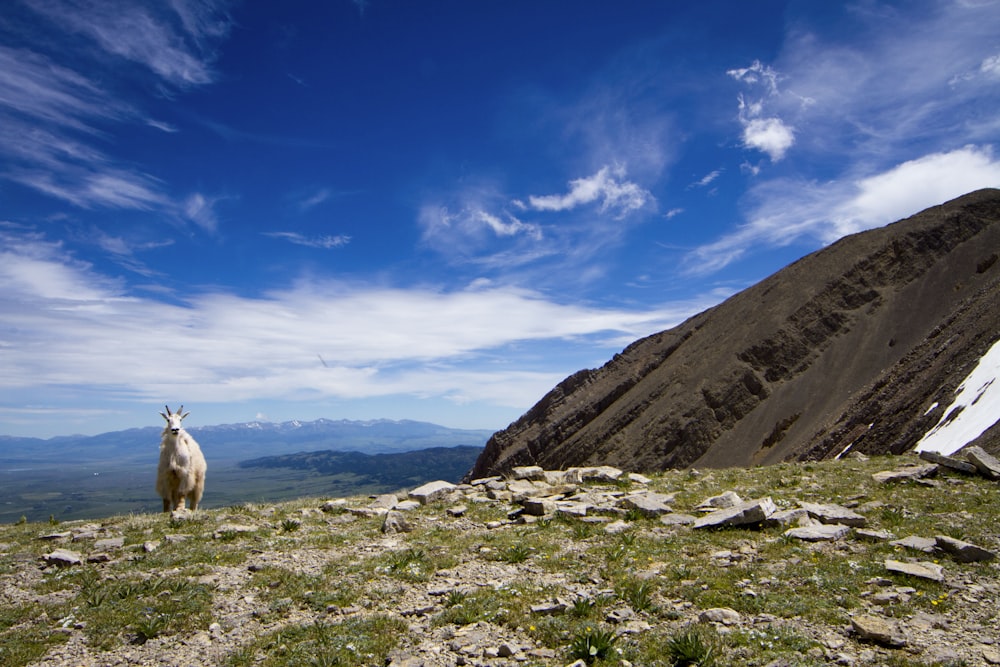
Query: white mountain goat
x,y
181,473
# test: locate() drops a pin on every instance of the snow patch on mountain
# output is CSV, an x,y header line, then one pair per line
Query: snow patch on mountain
x,y
975,409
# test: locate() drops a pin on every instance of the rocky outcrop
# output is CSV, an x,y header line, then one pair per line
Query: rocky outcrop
x,y
857,346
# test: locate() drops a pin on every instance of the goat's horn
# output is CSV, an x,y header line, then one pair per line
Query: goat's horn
x,y
168,409
181,410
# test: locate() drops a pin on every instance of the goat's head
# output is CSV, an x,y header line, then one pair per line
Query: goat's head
x,y
174,419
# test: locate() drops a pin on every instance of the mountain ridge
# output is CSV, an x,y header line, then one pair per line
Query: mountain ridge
x,y
790,367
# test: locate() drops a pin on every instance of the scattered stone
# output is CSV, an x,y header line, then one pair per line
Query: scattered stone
x,y
394,523
991,656
963,552
677,519
63,558
385,501
150,546
538,506
551,607
528,472
639,479
749,512
988,466
334,505
648,504
722,501
823,532
906,473
875,535
921,569
878,630
406,505
949,462
456,511
600,474
110,543
834,514
229,529
786,517
431,491
723,615
616,527
925,544
53,537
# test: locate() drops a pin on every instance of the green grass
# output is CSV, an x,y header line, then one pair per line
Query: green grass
x,y
661,576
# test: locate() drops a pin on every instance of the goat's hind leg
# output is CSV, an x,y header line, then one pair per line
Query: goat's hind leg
x,y
166,504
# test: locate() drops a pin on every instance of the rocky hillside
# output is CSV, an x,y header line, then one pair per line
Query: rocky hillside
x,y
860,344
888,561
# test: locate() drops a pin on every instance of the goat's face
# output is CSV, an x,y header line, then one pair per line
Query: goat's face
x,y
174,419
174,423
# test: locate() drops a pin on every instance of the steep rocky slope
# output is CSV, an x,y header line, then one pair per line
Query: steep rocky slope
x,y
851,345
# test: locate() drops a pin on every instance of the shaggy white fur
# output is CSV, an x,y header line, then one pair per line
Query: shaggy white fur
x,y
181,473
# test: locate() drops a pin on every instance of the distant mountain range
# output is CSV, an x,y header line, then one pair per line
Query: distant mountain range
x,y
859,346
230,443
85,477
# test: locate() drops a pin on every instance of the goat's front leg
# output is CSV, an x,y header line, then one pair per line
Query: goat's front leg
x,y
166,504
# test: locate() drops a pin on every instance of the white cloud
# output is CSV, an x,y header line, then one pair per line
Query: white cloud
x,y
510,228
790,211
64,324
325,242
913,186
607,185
707,179
136,34
201,211
991,66
770,135
313,199
53,118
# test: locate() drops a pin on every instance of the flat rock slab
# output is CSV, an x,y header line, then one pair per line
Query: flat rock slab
x,y
824,532
987,464
749,512
963,552
63,558
921,569
908,473
722,501
528,472
949,462
925,544
431,491
648,504
723,615
878,630
834,514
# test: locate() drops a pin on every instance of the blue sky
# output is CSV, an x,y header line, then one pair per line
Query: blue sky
x,y
437,210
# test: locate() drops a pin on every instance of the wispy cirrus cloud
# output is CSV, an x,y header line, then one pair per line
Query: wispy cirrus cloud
x,y
53,117
173,42
65,320
325,242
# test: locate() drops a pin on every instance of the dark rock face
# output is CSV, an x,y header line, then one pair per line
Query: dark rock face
x,y
849,346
